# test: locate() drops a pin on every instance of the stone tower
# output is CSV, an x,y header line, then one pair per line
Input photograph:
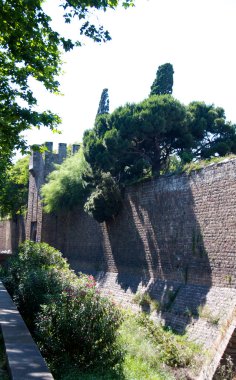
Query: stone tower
x,y
41,164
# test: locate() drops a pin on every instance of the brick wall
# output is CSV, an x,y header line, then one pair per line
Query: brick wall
x,y
176,228
175,237
12,233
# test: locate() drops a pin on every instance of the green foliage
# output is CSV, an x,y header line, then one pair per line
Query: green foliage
x,y
198,165
66,186
146,301
211,134
163,82
225,371
173,350
158,135
104,102
30,48
33,276
3,360
151,350
79,328
206,313
75,325
136,142
73,374
82,334
14,190
137,139
174,165
41,255
105,201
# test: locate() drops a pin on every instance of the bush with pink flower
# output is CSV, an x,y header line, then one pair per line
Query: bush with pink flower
x,y
74,325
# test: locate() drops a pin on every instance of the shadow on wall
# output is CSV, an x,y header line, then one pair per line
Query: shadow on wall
x,y
78,236
175,236
17,232
157,241
12,233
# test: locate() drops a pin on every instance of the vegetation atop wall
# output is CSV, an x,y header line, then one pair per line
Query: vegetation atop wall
x,y
137,142
137,139
66,186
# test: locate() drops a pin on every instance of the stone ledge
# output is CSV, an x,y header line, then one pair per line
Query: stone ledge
x,y
25,361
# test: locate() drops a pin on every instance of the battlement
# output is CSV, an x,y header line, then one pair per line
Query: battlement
x,y
42,163
44,160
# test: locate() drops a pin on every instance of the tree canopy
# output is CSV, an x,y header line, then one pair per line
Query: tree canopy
x,y
163,82
30,48
143,140
212,134
137,139
14,191
66,186
133,143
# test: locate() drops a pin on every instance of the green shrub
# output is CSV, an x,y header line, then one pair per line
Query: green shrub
x,y
33,276
41,255
225,371
145,300
75,325
174,350
66,186
30,258
79,328
105,201
36,288
14,191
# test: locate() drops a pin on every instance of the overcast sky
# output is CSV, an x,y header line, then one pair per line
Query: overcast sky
x,y
196,36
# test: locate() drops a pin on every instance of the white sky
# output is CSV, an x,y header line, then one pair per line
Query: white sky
x,y
196,36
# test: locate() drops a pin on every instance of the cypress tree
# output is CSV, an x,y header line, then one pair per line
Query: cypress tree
x,y
163,82
104,103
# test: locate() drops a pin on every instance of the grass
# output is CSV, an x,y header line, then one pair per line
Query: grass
x,y
177,167
205,312
188,168
142,359
145,300
151,352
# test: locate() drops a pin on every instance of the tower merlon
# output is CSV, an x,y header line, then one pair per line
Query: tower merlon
x,y
75,148
62,152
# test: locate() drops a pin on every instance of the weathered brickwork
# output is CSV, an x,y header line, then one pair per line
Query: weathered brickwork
x,y
12,233
174,237
176,228
40,166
